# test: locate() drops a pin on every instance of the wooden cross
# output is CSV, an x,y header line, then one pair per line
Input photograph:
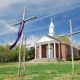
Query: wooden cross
x,y
70,34
23,19
25,51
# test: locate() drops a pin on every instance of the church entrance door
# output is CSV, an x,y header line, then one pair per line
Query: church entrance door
x,y
51,52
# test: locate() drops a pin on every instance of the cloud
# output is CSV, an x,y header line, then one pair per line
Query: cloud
x,y
10,9
6,28
32,39
5,3
36,29
52,6
40,6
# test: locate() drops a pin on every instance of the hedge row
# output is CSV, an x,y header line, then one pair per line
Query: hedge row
x,y
75,58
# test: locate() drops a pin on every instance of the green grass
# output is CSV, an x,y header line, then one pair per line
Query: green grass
x,y
44,71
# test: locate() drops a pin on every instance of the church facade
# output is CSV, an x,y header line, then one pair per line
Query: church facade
x,y
51,47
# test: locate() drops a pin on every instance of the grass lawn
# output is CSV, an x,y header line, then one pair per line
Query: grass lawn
x,y
40,71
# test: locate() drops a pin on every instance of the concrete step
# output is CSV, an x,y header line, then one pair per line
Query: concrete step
x,y
46,60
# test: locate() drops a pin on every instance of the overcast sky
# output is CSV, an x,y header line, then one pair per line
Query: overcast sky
x,y
61,11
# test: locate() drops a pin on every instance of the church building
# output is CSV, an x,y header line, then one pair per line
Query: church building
x,y
51,47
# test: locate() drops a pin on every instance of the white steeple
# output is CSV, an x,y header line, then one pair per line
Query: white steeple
x,y
51,29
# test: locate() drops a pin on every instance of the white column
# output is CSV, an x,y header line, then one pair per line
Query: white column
x,y
40,51
59,49
35,51
54,50
49,50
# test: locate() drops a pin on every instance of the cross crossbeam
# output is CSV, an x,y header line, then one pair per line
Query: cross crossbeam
x,y
24,20
71,34
21,29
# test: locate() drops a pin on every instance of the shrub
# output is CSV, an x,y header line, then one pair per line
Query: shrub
x,y
75,58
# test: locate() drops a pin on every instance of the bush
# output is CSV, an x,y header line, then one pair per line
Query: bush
x,y
75,58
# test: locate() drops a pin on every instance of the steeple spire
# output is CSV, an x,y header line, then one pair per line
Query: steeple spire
x,y
51,29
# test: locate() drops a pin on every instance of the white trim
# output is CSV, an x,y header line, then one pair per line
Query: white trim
x,y
59,49
54,50
49,49
46,42
40,51
44,39
35,51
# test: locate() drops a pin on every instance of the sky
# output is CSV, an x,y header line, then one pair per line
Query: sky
x,y
61,11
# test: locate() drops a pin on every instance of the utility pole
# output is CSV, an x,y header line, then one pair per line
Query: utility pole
x,y
23,21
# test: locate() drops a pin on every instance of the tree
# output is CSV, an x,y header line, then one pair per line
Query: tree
x,y
7,55
1,53
64,38
31,53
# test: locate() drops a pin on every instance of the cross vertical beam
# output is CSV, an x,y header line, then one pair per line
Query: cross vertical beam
x,y
25,52
22,22
72,47
70,34
19,67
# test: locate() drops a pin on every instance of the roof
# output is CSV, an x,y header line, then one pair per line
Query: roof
x,y
50,38
62,41
54,38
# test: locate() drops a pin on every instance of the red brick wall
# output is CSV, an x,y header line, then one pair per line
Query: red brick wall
x,y
69,54
74,51
79,46
57,52
69,50
37,52
79,53
44,51
63,51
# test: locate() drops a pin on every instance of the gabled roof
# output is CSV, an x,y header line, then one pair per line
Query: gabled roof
x,y
44,39
50,38
54,38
